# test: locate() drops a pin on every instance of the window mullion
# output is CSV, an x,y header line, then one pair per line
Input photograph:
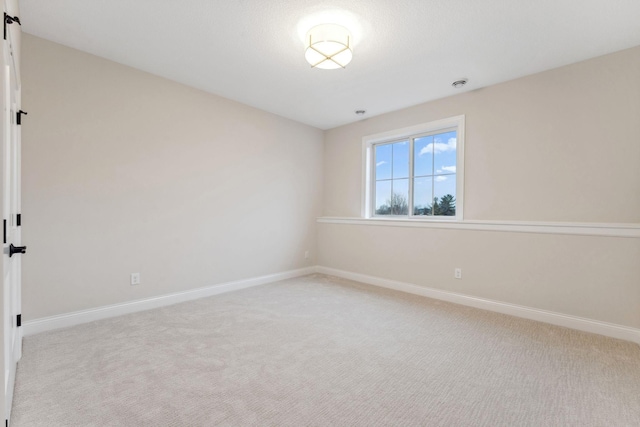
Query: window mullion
x,y
392,163
374,180
433,176
411,177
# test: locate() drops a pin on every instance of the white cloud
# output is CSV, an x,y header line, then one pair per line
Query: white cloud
x,y
381,163
441,178
451,169
439,147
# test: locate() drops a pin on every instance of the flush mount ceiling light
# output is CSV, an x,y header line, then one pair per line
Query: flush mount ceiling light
x,y
328,46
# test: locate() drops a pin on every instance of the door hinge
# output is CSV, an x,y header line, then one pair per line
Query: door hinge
x,y
19,320
19,116
18,220
9,20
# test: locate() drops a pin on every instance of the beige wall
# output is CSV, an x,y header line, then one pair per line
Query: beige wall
x,y
561,146
127,172
592,277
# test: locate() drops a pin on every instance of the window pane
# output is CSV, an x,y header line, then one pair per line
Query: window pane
x,y
445,193
383,161
423,156
444,148
400,197
422,196
383,198
401,160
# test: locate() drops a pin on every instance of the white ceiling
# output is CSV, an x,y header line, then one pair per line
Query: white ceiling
x,y
405,51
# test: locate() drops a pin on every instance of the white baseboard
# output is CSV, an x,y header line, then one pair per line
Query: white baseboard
x,y
76,318
568,321
582,324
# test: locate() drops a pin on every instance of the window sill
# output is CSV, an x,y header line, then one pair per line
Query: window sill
x,y
567,228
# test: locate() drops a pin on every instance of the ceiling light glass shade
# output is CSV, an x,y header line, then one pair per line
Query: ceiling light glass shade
x,y
328,46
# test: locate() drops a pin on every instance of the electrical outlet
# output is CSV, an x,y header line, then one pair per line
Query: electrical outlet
x,y
135,278
306,254
457,273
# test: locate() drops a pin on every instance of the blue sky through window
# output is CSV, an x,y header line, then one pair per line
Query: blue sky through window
x,y
392,172
434,169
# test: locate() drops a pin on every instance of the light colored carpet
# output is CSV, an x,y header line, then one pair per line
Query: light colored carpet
x,y
320,351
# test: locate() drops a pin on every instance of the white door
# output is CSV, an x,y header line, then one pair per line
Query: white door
x,y
11,234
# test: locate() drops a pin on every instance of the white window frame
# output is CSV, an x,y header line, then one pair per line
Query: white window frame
x,y
368,183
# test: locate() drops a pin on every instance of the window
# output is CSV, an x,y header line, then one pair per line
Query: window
x,y
416,172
